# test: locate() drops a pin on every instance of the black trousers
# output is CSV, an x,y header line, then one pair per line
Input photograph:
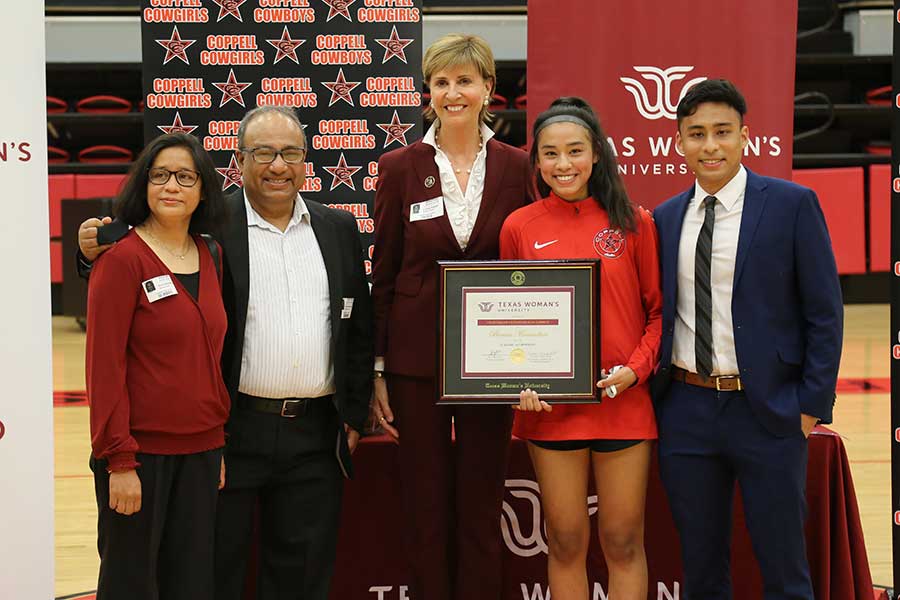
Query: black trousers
x,y
288,466
165,550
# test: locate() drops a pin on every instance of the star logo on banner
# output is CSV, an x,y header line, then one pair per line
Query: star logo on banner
x,y
232,90
338,7
177,126
232,174
340,89
395,130
175,47
229,7
393,46
342,174
286,46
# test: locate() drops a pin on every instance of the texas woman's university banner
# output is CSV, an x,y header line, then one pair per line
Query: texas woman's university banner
x,y
633,61
26,403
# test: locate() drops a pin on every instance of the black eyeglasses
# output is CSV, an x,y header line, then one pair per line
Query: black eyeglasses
x,y
184,177
265,155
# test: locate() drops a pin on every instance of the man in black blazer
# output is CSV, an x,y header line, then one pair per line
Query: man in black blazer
x,y
291,464
297,363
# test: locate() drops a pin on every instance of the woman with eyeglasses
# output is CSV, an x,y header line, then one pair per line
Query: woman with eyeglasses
x,y
158,405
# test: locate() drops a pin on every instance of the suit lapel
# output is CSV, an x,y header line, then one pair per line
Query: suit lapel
x,y
425,167
325,236
237,252
754,203
674,241
495,166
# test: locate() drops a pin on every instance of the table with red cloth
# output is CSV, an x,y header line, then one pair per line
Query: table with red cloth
x,y
370,564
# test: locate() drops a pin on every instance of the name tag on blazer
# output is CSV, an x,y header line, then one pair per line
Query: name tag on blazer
x,y
347,309
427,209
158,288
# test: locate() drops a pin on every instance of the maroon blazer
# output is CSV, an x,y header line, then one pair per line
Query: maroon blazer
x,y
404,289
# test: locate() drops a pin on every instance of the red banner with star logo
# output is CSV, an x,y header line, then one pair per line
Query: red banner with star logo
x,y
350,68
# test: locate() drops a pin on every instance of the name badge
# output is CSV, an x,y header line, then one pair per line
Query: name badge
x,y
158,288
427,209
348,308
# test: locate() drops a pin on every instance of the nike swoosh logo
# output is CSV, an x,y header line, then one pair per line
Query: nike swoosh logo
x,y
544,245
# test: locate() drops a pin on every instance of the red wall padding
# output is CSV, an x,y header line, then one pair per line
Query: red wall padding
x,y
97,186
60,186
880,218
841,194
56,269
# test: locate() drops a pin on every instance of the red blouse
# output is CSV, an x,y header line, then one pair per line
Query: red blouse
x,y
153,376
630,311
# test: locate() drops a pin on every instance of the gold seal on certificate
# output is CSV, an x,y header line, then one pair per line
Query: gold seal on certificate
x,y
510,325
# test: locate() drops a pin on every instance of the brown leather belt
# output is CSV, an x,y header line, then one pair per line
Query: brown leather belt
x,y
721,383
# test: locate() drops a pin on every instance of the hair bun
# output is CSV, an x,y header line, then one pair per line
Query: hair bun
x,y
573,101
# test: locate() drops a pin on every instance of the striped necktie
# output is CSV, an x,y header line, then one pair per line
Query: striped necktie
x,y
703,342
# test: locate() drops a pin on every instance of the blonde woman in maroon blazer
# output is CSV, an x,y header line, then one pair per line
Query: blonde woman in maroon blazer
x,y
443,198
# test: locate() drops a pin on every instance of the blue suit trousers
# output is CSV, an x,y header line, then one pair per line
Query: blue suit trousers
x,y
710,440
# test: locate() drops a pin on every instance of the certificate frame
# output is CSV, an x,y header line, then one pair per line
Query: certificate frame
x,y
504,326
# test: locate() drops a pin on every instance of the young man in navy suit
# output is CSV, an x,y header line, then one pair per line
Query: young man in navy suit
x,y
752,328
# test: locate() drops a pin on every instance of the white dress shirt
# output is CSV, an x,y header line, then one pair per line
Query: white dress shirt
x,y
287,338
729,209
462,207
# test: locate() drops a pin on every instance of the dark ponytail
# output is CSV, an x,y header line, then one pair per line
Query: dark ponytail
x,y
604,184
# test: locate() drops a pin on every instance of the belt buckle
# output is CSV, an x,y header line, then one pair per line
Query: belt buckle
x,y
721,377
284,407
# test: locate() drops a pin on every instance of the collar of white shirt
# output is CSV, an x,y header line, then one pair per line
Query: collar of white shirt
x,y
727,196
254,219
431,134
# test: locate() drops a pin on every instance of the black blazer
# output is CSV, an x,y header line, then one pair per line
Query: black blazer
x,y
351,339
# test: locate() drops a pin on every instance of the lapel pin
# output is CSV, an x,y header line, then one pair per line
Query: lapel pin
x,y
429,182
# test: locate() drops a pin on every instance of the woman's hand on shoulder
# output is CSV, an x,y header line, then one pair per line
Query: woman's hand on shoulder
x,y
529,401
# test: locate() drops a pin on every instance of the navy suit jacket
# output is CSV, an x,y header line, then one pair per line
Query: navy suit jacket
x,y
786,302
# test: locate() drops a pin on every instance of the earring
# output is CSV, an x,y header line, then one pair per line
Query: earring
x,y
487,101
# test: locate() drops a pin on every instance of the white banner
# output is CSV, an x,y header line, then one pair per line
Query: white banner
x,y
26,399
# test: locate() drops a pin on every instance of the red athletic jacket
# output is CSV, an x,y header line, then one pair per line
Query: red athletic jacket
x,y
630,311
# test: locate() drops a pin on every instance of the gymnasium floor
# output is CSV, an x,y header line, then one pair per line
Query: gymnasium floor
x,y
863,419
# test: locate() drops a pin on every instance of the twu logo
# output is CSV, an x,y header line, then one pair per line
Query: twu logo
x,y
522,521
663,105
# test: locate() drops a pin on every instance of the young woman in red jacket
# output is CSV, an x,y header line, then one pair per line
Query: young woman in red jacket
x,y
586,213
158,404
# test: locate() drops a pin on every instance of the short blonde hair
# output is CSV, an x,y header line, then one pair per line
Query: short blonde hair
x,y
458,49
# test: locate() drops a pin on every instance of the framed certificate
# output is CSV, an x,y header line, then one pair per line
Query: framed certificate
x,y
504,326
